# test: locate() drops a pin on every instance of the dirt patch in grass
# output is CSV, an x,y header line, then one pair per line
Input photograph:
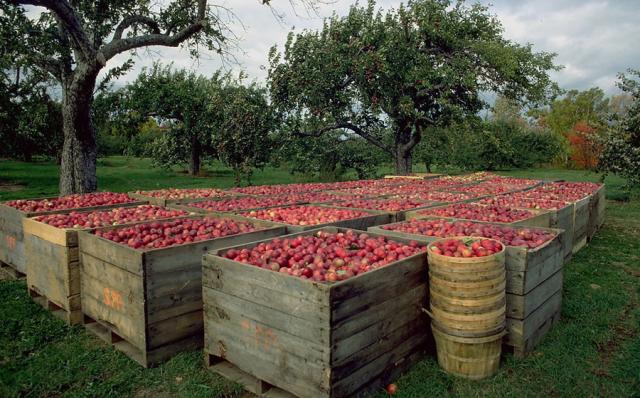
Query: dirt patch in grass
x,y
10,187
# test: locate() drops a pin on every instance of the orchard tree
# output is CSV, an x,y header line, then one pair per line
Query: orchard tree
x,y
72,41
420,66
243,120
621,147
180,99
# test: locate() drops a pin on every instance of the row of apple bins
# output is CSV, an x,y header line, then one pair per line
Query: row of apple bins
x,y
350,334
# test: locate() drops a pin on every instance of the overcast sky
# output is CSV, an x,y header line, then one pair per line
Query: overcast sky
x,y
594,40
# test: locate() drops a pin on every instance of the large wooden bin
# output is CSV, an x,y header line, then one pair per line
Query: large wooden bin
x,y
534,287
597,206
148,303
539,218
361,223
314,339
580,223
12,251
53,267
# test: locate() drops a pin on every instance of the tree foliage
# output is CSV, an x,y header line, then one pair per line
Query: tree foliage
x,y
621,146
30,119
73,41
407,70
241,136
181,101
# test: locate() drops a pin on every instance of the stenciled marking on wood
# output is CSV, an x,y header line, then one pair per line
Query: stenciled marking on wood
x,y
262,337
112,298
11,242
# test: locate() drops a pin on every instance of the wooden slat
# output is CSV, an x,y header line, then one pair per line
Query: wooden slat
x,y
257,358
58,236
174,329
108,304
351,338
521,306
519,282
128,283
53,270
222,305
119,255
521,330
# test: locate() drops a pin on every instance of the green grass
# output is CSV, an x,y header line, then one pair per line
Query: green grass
x,y
593,351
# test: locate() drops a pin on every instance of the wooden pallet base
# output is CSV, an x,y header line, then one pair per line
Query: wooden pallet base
x,y
257,387
260,388
529,345
11,272
144,357
69,317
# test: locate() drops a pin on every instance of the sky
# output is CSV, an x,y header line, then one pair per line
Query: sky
x,y
594,40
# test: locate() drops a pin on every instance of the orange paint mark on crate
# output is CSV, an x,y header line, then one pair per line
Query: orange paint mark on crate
x,y
11,242
263,338
112,298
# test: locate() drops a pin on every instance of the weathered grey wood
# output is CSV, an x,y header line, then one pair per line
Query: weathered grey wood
x,y
108,304
71,316
152,299
120,255
521,330
53,271
12,251
536,338
173,329
307,338
581,223
597,205
522,282
221,305
521,306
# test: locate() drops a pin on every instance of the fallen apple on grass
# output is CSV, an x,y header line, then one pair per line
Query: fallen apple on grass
x,y
325,256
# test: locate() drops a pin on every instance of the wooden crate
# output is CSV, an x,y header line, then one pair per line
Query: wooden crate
x,y
148,303
12,235
540,218
165,202
315,339
525,335
53,265
360,223
580,223
597,206
533,277
395,216
185,205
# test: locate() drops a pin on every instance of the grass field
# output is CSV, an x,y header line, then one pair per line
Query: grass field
x,y
593,351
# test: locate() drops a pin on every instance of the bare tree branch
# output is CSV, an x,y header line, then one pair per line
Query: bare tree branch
x,y
119,45
349,126
134,19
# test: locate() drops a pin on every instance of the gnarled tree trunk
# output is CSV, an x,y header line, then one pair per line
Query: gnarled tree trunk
x,y
79,152
196,151
403,161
